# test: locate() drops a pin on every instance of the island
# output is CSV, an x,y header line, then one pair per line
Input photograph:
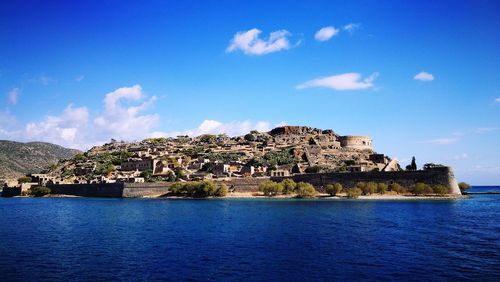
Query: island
x,y
288,161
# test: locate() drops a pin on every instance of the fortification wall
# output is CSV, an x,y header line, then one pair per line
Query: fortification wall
x,y
356,142
443,176
243,184
11,192
137,190
106,190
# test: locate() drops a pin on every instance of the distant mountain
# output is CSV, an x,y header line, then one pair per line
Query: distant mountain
x,y
17,159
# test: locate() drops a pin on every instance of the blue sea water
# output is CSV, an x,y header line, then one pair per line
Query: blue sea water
x,y
252,240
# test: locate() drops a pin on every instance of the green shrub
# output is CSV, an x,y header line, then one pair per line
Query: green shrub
x,y
25,179
39,191
199,189
381,188
288,186
305,190
428,189
313,169
333,189
440,190
463,186
221,191
354,193
271,188
367,188
397,188
250,137
420,188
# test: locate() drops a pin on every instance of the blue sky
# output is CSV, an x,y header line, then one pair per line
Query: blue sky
x,y
421,78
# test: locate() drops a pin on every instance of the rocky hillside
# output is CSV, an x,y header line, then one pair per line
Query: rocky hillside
x,y
17,159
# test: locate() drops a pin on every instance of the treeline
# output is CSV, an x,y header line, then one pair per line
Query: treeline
x,y
286,187
198,189
306,190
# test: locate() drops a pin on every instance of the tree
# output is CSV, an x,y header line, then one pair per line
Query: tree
x,y
440,189
198,189
413,165
381,188
333,189
353,193
396,188
271,188
171,176
207,138
313,169
367,188
39,191
288,186
25,179
419,188
147,174
221,191
305,190
250,137
463,186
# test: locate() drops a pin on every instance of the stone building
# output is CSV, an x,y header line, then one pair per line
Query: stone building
x,y
356,142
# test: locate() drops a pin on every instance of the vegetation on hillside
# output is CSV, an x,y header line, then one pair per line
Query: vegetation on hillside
x,y
18,159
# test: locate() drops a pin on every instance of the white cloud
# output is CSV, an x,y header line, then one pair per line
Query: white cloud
x,y
346,81
424,76
442,141
126,123
75,128
68,129
497,100
326,33
12,95
351,27
233,128
250,43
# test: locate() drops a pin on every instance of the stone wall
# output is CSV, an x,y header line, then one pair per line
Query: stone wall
x,y
441,175
137,190
106,190
356,142
11,191
243,184
112,190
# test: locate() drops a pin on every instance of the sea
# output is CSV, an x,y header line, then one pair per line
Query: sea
x,y
97,239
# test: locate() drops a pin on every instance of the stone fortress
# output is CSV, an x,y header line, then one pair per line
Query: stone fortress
x,y
304,153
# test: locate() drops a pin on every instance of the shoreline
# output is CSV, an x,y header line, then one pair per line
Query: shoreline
x,y
258,196
253,195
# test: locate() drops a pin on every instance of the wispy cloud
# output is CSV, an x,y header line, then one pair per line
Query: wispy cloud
x,y
424,76
341,82
351,27
442,141
462,156
326,33
250,43
481,130
79,78
42,79
497,100
13,95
